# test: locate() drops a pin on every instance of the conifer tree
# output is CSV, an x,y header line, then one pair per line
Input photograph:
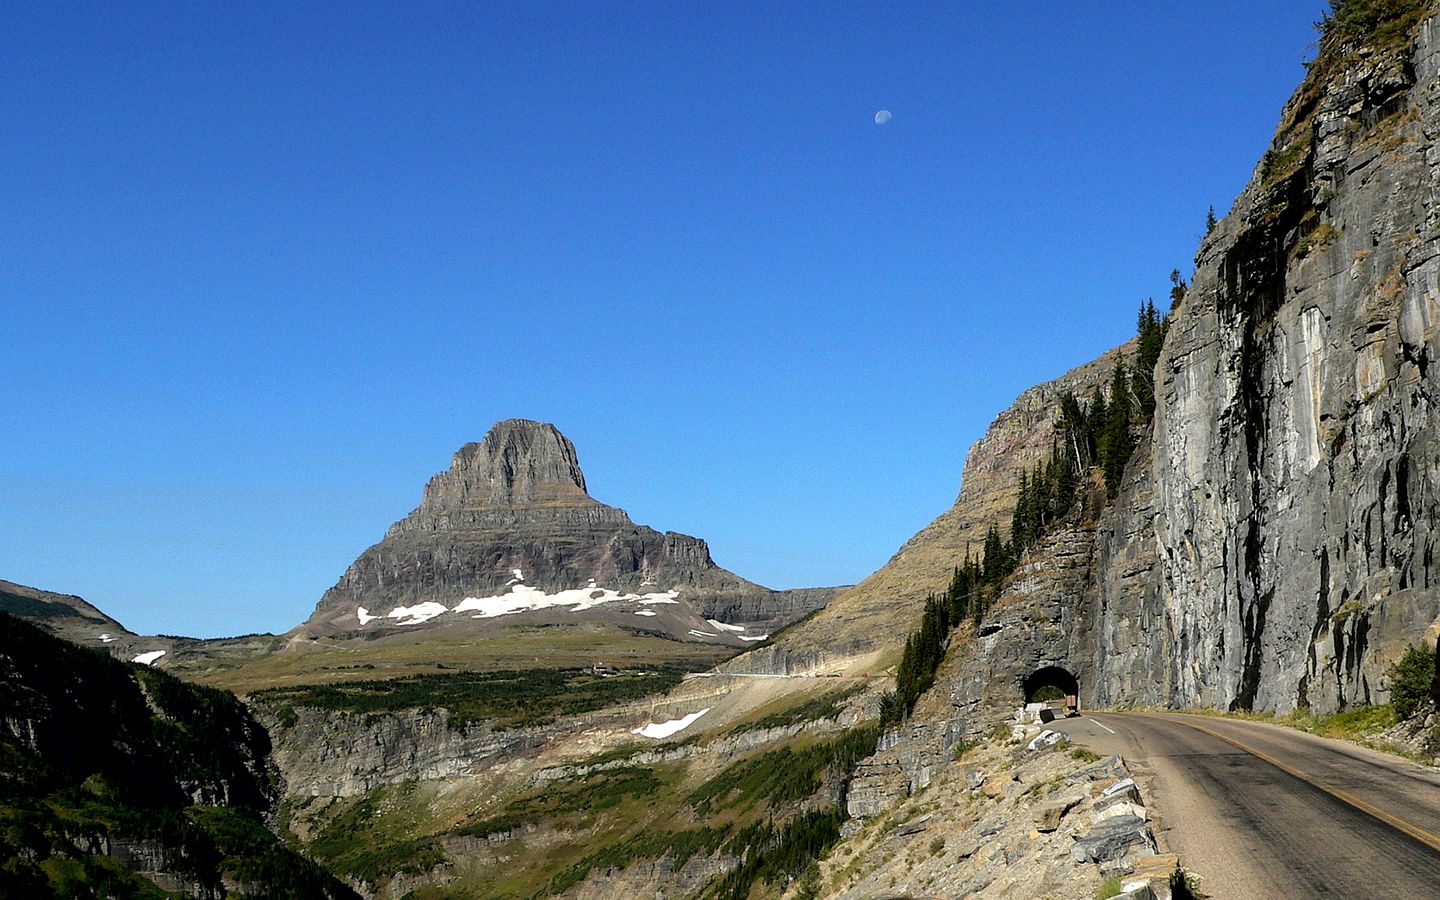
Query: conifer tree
x,y
1020,519
1065,484
1116,442
993,564
1096,415
1177,289
1150,331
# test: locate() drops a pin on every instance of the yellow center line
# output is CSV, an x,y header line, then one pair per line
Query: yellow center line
x,y
1415,831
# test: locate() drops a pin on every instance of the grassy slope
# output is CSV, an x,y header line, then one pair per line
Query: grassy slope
x,y
503,699
332,660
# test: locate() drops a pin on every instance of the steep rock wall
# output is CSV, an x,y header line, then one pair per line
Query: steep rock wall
x,y
1290,498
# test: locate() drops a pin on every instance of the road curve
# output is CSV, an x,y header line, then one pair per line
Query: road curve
x,y
1263,811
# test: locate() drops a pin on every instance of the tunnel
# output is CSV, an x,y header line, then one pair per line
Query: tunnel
x,y
1051,683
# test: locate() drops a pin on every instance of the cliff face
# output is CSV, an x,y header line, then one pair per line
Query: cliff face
x,y
324,753
513,508
1289,495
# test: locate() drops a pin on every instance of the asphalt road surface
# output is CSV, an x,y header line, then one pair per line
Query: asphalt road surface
x,y
1262,811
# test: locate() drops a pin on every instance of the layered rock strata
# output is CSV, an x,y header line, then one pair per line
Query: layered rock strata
x,y
513,510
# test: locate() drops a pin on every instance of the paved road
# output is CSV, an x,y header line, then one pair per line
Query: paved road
x,y
1263,811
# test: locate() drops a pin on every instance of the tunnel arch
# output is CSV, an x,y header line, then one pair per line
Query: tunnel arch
x,y
1053,677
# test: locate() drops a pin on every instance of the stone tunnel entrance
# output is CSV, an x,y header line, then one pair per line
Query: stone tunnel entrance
x,y
1050,685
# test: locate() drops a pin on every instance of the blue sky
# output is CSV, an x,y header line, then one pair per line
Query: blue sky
x,y
263,268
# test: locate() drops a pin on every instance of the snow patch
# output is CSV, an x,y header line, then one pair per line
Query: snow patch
x,y
519,575
702,633
644,612
148,658
665,729
420,612
723,627
758,637
106,638
524,598
364,616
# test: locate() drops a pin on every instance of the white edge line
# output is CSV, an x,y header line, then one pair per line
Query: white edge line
x,y
1103,725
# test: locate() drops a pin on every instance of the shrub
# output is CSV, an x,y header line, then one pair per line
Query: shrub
x,y
1383,21
1411,678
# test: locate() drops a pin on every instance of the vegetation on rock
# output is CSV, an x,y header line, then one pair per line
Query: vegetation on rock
x,y
1381,21
1411,678
101,761
826,706
782,776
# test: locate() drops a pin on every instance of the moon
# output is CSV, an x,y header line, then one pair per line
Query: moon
x,y
882,117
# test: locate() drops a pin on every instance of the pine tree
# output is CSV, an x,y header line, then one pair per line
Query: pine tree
x,y
992,565
1096,415
1020,518
1065,485
1177,289
1115,441
1210,221
1150,330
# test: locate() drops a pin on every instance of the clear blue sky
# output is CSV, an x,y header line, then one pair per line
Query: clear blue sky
x,y
263,268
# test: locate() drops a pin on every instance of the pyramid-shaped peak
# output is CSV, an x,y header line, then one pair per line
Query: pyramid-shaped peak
x,y
519,461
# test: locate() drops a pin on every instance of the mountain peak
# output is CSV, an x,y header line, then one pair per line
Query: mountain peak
x,y
519,462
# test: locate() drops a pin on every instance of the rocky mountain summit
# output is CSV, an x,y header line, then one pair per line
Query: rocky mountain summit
x,y
510,530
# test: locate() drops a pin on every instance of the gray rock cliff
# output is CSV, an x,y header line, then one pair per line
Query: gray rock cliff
x,y
1284,517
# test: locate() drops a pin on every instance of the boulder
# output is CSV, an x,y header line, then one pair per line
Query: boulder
x,y
1114,839
1049,813
1047,739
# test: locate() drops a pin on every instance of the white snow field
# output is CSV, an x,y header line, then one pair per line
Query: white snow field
x,y
522,598
665,729
420,612
149,658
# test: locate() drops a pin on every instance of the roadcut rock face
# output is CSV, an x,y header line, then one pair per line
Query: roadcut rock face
x,y
1287,502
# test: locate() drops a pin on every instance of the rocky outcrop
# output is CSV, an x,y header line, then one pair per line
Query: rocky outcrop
x,y
516,503
82,712
126,780
1006,819
326,753
68,616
